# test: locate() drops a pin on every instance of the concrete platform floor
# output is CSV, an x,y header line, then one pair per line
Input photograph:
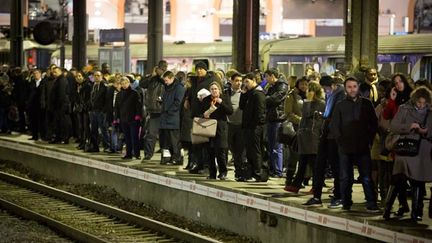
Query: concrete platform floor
x,y
273,189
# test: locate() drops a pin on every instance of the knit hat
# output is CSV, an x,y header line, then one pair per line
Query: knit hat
x,y
326,80
202,65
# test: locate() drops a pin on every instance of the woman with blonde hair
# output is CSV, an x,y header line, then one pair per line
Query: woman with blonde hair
x,y
218,106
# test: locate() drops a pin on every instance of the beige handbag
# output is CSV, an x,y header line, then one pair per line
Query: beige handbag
x,y
204,127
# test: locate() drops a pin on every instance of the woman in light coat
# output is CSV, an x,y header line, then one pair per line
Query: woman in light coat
x,y
413,120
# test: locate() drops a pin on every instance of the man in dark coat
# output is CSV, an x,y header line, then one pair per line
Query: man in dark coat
x,y
154,87
202,81
169,132
48,124
61,107
275,100
252,102
34,104
98,114
354,126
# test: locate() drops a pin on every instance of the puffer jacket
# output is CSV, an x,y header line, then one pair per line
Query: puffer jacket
x,y
275,101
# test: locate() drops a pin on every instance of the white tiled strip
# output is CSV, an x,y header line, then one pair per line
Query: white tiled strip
x,y
355,227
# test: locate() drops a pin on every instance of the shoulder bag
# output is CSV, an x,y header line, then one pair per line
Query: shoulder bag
x,y
408,146
204,127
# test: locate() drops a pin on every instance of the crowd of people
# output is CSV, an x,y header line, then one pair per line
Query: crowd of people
x,y
339,122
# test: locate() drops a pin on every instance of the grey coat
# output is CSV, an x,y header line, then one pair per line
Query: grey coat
x,y
309,130
418,167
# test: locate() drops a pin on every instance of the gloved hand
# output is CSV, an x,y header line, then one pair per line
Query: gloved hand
x,y
137,118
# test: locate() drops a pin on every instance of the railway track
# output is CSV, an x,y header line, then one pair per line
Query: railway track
x,y
82,219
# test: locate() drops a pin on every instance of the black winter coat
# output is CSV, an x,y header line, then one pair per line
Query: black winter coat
x,y
197,85
253,105
47,85
34,97
354,125
154,87
98,97
59,97
128,105
171,106
223,110
82,99
275,101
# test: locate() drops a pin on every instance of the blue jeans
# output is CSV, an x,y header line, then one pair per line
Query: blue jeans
x,y
98,121
363,161
274,148
115,143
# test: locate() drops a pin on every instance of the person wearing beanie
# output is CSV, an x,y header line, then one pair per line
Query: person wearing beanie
x,y
201,65
199,82
327,146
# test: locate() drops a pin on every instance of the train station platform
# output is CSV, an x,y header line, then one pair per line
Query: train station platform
x,y
263,211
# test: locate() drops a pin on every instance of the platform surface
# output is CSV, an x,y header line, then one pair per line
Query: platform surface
x,y
268,196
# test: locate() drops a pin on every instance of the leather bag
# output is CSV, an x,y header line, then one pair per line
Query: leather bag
x,y
407,147
204,127
286,133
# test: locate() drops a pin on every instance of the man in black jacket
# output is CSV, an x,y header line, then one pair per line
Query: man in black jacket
x,y
98,114
252,102
354,126
34,104
275,100
154,87
61,107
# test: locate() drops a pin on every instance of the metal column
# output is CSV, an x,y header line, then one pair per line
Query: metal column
x,y
79,48
245,35
16,55
155,33
361,34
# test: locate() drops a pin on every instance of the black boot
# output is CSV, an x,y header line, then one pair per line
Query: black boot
x,y
391,197
416,212
403,203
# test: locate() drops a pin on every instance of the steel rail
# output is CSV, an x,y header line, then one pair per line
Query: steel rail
x,y
123,215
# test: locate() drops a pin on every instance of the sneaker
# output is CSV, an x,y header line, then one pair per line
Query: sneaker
x,y
373,209
336,203
313,202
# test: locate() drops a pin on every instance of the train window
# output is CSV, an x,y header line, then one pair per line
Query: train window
x,y
401,67
385,69
296,69
283,67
